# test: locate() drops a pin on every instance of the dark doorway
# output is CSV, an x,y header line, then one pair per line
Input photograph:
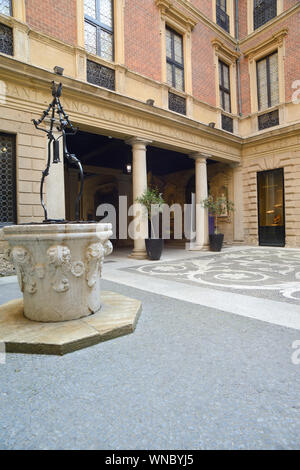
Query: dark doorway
x,y
271,214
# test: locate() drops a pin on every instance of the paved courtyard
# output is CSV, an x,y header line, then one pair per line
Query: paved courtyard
x,y
200,372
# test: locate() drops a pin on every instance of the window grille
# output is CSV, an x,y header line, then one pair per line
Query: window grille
x,y
177,103
99,75
6,40
227,123
268,120
7,180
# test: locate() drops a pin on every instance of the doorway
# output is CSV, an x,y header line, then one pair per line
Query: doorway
x,y
271,211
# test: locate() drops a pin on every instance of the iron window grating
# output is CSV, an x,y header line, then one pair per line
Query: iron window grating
x,y
6,40
100,75
264,11
177,103
8,212
227,123
268,120
221,15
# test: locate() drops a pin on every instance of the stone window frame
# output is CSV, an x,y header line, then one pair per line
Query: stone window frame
x,y
101,27
229,57
274,44
182,22
18,11
17,22
230,13
172,60
119,49
250,18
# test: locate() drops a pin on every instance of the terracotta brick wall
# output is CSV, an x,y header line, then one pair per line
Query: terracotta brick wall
x,y
243,25
203,64
289,3
54,17
142,38
205,6
292,58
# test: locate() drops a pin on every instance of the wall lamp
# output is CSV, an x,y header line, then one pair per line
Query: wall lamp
x,y
58,70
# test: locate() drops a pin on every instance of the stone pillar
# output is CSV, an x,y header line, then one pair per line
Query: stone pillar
x,y
55,188
73,191
139,185
202,239
238,222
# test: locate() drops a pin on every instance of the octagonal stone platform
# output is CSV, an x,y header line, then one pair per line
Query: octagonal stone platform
x,y
117,317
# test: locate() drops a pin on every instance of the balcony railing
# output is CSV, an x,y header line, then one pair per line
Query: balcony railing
x,y
222,19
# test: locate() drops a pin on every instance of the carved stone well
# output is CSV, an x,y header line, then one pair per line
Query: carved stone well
x,y
59,268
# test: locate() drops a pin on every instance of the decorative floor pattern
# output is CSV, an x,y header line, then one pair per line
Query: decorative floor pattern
x,y
272,273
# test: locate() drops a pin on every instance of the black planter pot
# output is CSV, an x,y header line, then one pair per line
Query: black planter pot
x,y
216,241
154,248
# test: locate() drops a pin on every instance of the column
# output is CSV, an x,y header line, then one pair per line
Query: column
x,y
73,189
55,188
202,239
139,185
238,223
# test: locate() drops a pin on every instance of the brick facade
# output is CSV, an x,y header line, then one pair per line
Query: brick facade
x,y
142,38
56,18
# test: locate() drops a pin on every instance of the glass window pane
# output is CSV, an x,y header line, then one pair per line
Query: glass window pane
x,y
5,7
90,38
262,84
169,43
178,49
179,79
106,45
106,15
227,102
89,8
226,76
273,61
169,74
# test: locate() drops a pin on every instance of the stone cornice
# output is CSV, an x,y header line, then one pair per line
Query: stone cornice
x,y
270,24
14,23
23,74
51,41
173,10
276,39
196,15
220,47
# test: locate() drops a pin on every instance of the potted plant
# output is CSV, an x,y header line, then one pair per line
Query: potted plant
x,y
152,200
217,207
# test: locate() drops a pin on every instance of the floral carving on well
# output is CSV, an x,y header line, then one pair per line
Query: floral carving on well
x,y
94,256
22,261
61,265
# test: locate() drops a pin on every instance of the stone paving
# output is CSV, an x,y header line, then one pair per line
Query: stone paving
x,y
190,377
266,273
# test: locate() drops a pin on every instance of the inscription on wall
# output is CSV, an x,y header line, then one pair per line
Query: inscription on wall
x,y
126,122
